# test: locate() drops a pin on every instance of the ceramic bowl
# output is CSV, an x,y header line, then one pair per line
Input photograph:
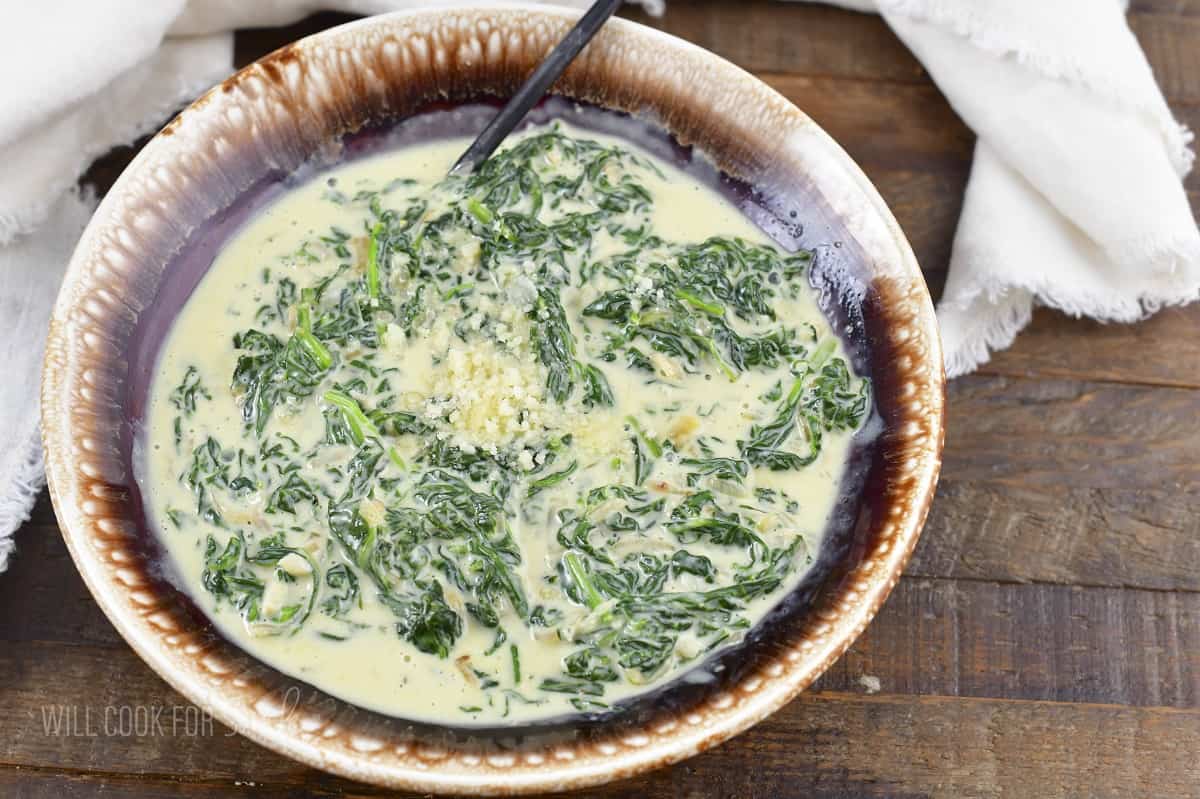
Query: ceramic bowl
x,y
307,99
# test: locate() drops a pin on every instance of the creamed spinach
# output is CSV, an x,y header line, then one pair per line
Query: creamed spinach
x,y
500,446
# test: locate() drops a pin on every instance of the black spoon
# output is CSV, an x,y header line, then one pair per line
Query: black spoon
x,y
535,86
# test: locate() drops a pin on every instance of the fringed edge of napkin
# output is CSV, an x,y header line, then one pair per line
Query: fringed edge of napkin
x,y
988,318
20,492
22,473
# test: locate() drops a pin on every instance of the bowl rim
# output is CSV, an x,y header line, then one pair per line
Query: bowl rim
x,y
80,488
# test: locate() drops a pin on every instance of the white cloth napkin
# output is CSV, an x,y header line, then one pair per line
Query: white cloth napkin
x,y
1075,199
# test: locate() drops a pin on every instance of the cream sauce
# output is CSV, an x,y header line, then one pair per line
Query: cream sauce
x,y
374,667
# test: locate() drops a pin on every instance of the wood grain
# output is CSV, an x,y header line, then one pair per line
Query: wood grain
x,y
762,36
802,39
43,596
1067,481
1072,434
1163,350
823,745
1172,9
1170,45
25,783
1030,642
909,127
1027,532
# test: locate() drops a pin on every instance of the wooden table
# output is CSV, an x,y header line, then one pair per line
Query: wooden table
x,y
1045,641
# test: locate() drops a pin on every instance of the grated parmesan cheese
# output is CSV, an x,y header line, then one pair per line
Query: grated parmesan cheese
x,y
489,396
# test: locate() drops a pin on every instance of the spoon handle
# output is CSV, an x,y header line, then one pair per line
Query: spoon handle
x,y
535,86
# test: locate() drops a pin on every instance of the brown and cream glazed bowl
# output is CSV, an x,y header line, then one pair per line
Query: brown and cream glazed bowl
x,y
427,73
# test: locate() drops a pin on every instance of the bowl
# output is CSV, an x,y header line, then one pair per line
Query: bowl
x,y
316,99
